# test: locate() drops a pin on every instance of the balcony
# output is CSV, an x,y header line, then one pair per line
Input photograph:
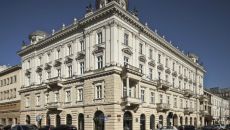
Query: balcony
x,y
174,73
188,111
152,63
162,84
48,66
131,101
203,98
163,107
168,71
204,112
185,78
55,82
57,62
80,55
132,69
188,93
180,76
69,59
54,105
160,66
98,48
142,58
39,69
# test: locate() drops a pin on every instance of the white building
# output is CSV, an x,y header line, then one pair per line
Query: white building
x,y
109,71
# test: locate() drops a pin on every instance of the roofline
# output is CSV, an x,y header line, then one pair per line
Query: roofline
x,y
10,69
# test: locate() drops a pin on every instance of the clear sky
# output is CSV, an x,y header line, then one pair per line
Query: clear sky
x,y
199,26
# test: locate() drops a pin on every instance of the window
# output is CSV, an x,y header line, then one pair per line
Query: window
x,y
49,74
175,102
80,94
27,101
46,99
99,92
68,96
126,60
166,78
99,62
59,72
142,95
56,97
173,66
168,99
140,48
37,100
152,98
48,57
179,84
161,98
141,68
159,58
58,54
69,50
150,53
173,80
29,79
159,75
40,77
99,38
15,78
166,62
126,39
82,67
179,69
181,103
150,73
186,104
82,45
70,72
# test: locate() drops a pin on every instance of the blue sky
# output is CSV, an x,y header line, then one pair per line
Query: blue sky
x,y
199,26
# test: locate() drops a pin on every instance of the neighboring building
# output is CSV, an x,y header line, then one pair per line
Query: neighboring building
x,y
10,83
3,67
109,71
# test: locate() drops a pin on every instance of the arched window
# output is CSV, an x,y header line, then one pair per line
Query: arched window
x,y
175,120
142,122
191,121
81,122
161,120
181,120
127,121
99,121
58,120
27,119
152,122
186,120
195,122
69,119
48,119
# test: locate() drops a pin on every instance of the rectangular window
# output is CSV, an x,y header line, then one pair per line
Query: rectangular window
x,y
99,38
179,84
59,72
150,53
40,77
56,97
82,44
99,62
140,48
173,80
166,78
69,50
126,39
161,98
27,101
70,71
15,78
141,68
46,99
82,67
175,102
68,96
38,100
179,69
173,66
181,103
98,92
80,95
49,74
150,73
126,60
58,54
142,95
168,99
166,62
159,58
152,99
48,57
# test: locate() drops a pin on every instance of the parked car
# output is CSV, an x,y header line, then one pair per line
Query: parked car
x,y
24,127
47,127
1,127
207,128
227,127
7,127
65,127
219,127
186,127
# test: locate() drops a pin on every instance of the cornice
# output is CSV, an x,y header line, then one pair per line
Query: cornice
x,y
111,9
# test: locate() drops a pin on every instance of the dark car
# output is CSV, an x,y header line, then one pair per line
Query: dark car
x,y
24,127
47,127
186,127
227,127
65,127
8,127
1,127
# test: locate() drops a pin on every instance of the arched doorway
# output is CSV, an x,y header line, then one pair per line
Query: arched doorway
x,y
27,119
181,120
201,122
99,120
175,120
58,120
186,120
191,121
152,122
81,121
169,119
161,120
142,122
195,122
48,119
127,121
68,119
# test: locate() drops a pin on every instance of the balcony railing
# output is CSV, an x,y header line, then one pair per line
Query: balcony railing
x,y
163,107
132,69
54,105
160,66
174,73
129,101
204,112
162,84
188,110
55,82
188,93
168,71
203,98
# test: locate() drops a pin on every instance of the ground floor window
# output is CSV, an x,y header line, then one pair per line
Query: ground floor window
x,y
99,121
191,121
175,120
160,121
69,119
128,121
181,120
47,119
58,120
152,122
142,122
186,120
81,122
27,119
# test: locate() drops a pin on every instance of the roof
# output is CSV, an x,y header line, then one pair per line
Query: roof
x,y
9,70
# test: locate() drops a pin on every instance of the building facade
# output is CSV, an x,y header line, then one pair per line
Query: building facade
x,y
109,71
10,83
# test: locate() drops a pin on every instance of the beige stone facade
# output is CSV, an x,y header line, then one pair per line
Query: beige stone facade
x,y
10,83
109,72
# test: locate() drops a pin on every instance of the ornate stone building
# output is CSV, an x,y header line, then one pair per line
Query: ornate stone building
x,y
109,71
10,83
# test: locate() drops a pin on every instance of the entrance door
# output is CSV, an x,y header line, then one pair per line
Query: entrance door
x,y
127,121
